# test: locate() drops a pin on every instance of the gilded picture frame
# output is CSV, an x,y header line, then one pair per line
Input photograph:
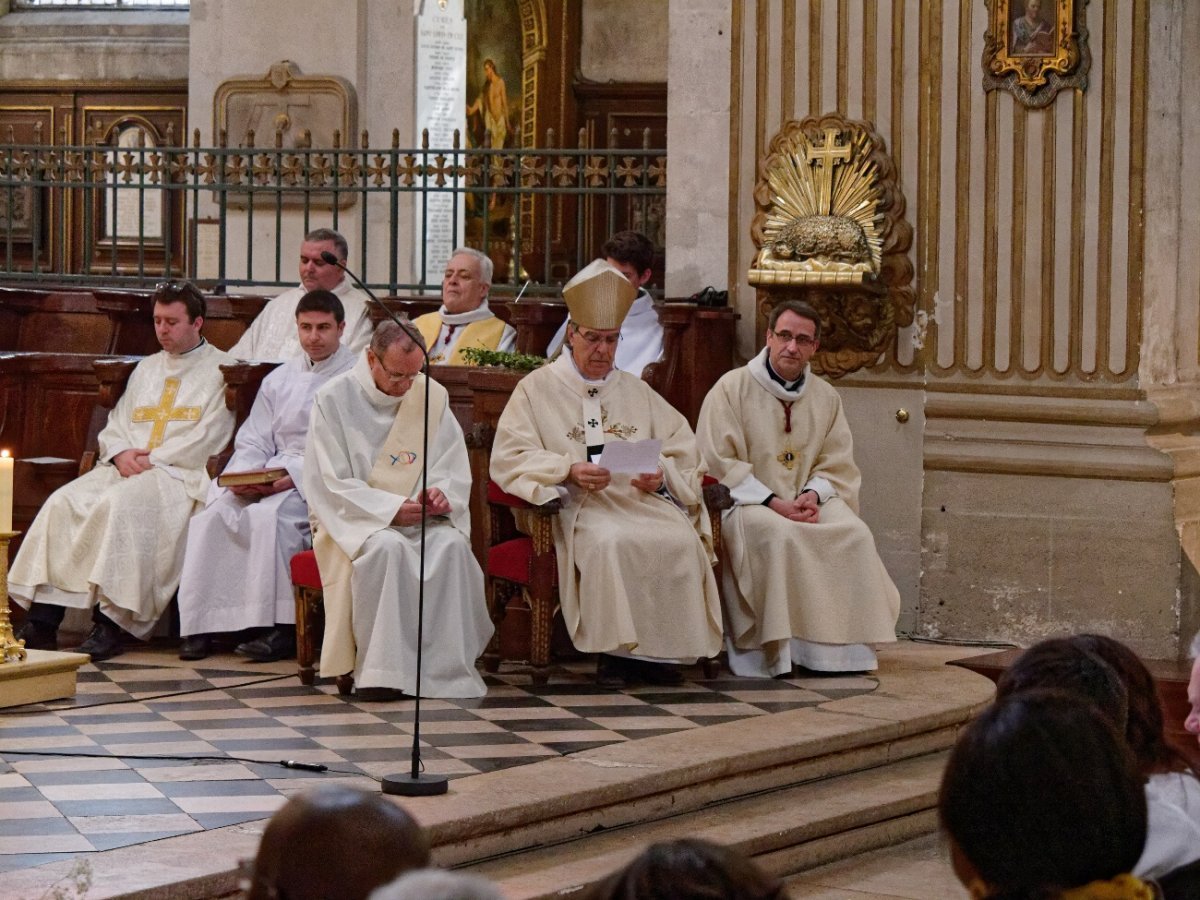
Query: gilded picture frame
x,y
1035,48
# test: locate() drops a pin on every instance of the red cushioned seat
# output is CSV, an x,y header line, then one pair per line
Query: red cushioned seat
x,y
495,495
304,569
510,560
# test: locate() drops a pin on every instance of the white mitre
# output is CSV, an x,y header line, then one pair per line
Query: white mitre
x,y
599,296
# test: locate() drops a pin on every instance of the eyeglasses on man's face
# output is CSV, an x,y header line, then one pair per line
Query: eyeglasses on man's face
x,y
595,338
803,341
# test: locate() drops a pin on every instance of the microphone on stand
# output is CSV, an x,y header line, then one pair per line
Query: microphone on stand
x,y
416,783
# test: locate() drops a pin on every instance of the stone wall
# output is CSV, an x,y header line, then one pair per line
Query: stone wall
x,y
624,40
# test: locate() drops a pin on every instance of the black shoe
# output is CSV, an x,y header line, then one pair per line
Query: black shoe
x,y
272,647
613,671
195,646
103,643
38,635
379,694
659,673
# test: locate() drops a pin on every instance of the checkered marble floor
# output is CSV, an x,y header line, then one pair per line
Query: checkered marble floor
x,y
161,748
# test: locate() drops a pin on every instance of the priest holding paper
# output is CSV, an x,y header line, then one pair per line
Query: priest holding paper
x,y
465,319
803,582
362,478
634,549
235,570
112,540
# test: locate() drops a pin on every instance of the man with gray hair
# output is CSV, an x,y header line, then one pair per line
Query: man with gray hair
x,y
272,335
465,319
362,478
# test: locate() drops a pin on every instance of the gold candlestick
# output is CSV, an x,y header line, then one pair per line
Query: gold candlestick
x,y
10,648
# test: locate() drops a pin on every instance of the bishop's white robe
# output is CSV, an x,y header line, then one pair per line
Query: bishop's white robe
x,y
634,568
236,568
641,337
822,583
272,335
447,334
370,568
119,541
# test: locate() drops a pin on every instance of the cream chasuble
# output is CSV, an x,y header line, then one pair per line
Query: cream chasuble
x,y
634,569
821,582
448,334
272,335
363,460
235,570
119,541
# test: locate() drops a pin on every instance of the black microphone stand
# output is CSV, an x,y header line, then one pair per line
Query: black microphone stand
x,y
416,783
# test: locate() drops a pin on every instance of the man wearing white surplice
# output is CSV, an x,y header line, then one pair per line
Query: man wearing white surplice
x,y
634,552
235,570
803,582
113,539
362,477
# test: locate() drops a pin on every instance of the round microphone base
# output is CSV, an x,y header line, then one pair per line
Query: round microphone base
x,y
421,786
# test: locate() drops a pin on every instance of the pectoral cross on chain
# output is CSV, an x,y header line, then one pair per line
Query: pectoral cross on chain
x,y
824,158
165,412
788,458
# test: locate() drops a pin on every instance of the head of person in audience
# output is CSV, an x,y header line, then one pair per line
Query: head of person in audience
x,y
466,281
1041,796
689,869
335,841
395,356
438,884
793,336
315,273
179,310
320,321
1145,726
632,254
1063,665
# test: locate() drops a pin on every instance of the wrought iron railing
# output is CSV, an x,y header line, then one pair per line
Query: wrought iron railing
x,y
132,214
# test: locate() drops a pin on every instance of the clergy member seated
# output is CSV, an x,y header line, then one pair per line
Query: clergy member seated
x,y
113,539
362,478
803,583
634,550
465,320
235,570
272,334
632,254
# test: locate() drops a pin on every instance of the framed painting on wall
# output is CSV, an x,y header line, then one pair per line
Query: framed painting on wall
x,y
1035,48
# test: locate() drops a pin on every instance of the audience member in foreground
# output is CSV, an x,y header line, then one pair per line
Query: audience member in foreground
x,y
689,869
438,884
1042,799
335,841
1109,675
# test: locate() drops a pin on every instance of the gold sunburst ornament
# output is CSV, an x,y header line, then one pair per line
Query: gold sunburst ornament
x,y
822,223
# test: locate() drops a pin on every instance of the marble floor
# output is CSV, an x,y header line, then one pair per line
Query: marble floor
x,y
153,748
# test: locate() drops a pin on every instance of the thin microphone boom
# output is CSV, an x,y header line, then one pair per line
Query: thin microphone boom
x,y
416,783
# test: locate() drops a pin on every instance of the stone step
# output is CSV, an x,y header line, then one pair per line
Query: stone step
x,y
785,830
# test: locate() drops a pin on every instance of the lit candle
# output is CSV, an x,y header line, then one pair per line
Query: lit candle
x,y
6,491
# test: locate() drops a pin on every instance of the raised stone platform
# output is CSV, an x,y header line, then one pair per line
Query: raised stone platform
x,y
792,789
43,675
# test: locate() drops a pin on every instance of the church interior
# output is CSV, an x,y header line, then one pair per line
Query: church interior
x,y
1010,317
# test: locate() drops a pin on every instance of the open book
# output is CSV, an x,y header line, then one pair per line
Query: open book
x,y
253,476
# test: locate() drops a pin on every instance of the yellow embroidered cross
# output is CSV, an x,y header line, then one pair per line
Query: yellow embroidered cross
x,y
165,412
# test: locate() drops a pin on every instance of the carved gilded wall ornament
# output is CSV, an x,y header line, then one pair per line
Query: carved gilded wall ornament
x,y
830,231
1035,48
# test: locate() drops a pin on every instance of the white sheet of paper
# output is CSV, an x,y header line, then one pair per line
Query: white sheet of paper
x,y
631,457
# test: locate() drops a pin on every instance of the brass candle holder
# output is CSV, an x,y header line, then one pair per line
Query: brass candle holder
x,y
11,650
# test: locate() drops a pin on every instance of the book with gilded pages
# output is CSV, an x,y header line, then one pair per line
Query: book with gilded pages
x,y
253,476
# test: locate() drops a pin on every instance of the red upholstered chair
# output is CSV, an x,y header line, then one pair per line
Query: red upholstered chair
x,y
522,570
310,612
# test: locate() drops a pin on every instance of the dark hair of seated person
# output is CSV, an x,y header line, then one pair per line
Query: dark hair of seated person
x,y
689,869
1145,726
335,841
1041,795
1063,665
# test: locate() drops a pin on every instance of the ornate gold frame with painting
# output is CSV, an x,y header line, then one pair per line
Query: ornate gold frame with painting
x,y
830,231
1035,48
